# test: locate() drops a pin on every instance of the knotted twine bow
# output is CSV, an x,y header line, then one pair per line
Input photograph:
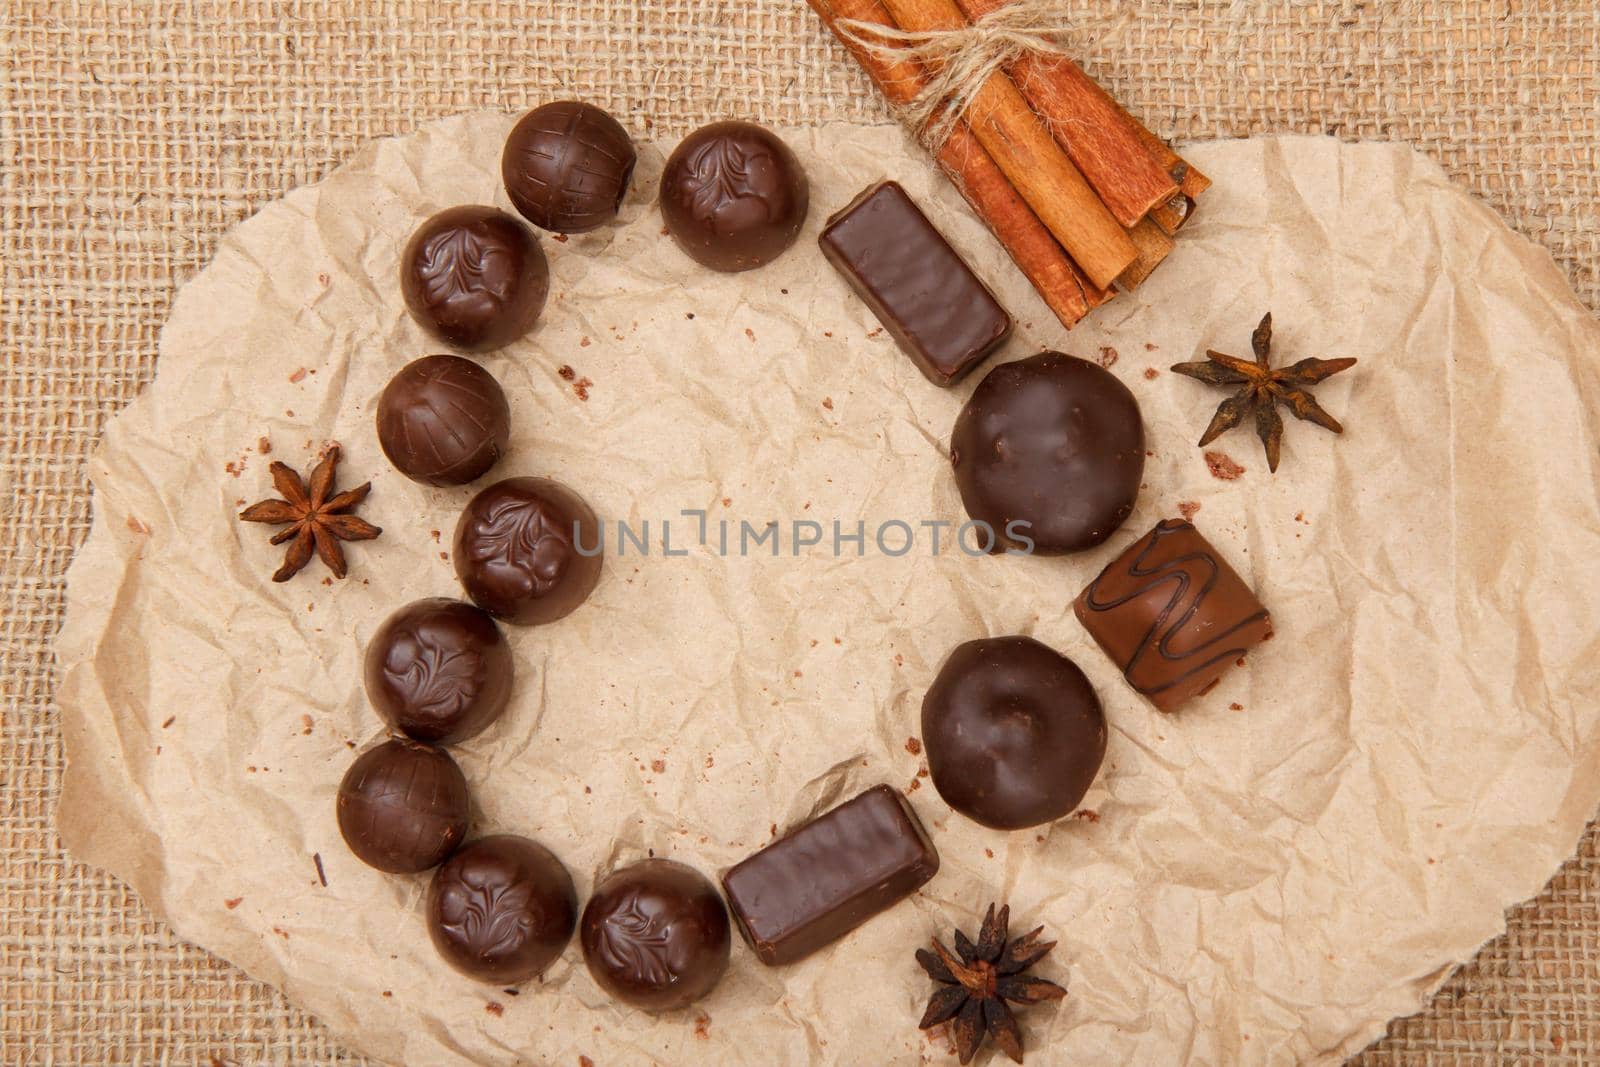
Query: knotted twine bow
x,y
958,62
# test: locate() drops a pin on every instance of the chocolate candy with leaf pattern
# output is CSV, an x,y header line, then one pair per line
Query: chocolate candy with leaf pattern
x,y
655,935
474,277
438,670
734,196
528,550
502,909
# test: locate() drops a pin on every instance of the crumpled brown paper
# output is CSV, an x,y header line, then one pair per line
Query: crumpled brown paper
x,y
1267,876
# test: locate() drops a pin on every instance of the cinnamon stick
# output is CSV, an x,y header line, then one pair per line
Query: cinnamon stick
x,y
1097,135
1060,284
1186,174
1026,152
1174,213
1154,246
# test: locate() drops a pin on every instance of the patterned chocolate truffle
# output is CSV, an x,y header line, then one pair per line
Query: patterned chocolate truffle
x,y
474,277
439,671
443,420
655,935
734,196
527,550
501,910
566,166
1172,614
403,806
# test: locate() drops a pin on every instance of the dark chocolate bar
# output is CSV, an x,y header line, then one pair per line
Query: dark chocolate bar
x,y
813,886
922,291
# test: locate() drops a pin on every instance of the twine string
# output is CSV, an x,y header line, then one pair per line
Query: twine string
x,y
958,62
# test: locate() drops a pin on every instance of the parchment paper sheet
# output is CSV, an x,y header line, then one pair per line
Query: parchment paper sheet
x,y
1270,884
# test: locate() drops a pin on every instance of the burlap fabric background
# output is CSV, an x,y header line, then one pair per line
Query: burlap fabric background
x,y
135,134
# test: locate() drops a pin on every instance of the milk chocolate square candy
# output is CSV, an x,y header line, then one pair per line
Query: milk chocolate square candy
x,y
1172,614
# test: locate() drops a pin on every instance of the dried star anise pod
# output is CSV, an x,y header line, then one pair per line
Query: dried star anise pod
x,y
977,980
1263,389
316,520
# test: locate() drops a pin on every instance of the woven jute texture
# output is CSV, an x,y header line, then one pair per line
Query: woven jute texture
x,y
135,134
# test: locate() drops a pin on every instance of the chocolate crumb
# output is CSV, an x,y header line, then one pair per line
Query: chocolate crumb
x,y
584,342
989,852
1087,815
710,760
915,785
566,372
1187,508
387,993
1148,347
658,765
298,376
1151,374
581,387
560,238
827,402
322,876
1235,707
702,1026
584,1061
493,1008
913,746
170,720
688,314
1107,357
234,903
307,724
1222,466
748,332
873,333
511,992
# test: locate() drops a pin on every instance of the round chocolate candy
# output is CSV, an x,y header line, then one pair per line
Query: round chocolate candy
x,y
1013,731
517,550
403,806
443,420
438,671
1049,449
502,909
566,166
474,277
655,935
734,196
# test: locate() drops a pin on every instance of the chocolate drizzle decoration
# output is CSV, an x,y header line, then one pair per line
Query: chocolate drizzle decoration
x,y
1172,614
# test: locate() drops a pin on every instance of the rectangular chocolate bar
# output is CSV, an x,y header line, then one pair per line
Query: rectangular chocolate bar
x,y
1172,614
813,886
922,291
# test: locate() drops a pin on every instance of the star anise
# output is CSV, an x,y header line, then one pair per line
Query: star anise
x,y
978,979
1263,389
316,520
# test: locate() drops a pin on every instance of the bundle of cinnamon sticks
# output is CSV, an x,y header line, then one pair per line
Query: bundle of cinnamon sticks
x,y
1081,194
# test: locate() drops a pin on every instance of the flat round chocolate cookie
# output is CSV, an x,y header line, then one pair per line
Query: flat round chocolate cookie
x,y
1049,451
1013,731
